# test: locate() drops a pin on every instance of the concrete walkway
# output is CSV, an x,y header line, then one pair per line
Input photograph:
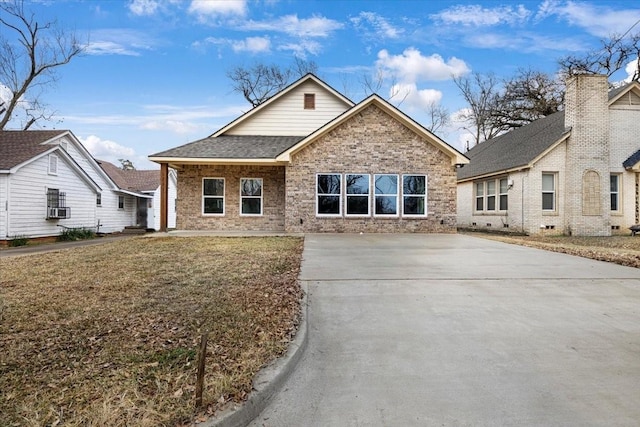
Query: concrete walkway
x,y
453,330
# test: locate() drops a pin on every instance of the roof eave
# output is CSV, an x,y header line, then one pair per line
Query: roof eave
x,y
215,161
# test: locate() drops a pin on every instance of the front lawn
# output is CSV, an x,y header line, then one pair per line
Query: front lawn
x,y
108,334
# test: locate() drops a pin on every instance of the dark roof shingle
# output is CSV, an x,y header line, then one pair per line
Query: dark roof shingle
x,y
515,148
233,147
132,180
18,146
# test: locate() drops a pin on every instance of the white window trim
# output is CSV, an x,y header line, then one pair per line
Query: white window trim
x,y
347,195
500,194
124,203
323,215
99,200
426,191
252,197
485,196
397,196
554,192
619,193
224,201
52,159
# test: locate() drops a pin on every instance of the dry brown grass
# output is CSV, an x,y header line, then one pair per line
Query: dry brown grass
x,y
108,334
623,250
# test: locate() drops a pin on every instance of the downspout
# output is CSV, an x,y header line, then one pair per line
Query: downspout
x,y
522,201
6,207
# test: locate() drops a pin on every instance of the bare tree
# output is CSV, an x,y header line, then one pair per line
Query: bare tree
x,y
438,117
616,52
126,165
30,53
482,93
528,96
260,82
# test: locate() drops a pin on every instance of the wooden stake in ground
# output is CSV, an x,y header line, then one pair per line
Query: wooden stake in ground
x,y
201,364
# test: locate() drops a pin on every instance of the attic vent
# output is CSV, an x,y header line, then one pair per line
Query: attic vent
x,y
309,101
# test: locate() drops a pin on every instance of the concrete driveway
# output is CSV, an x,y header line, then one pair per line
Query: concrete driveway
x,y
453,330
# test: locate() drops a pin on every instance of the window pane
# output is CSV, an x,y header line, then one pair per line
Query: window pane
x,y
504,185
479,203
386,184
547,201
251,187
504,204
491,203
414,205
491,187
328,204
547,182
479,188
614,201
414,184
213,187
251,206
614,183
213,205
386,205
358,205
357,184
328,184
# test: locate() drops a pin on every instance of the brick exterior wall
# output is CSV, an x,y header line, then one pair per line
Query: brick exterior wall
x,y
587,113
371,142
189,202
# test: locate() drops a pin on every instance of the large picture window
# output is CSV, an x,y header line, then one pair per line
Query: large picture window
x,y
386,195
328,194
213,196
414,195
251,196
357,186
548,192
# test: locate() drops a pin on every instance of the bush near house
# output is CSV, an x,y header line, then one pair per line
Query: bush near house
x,y
109,334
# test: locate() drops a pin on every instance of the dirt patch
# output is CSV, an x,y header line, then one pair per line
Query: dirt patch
x,y
108,334
623,250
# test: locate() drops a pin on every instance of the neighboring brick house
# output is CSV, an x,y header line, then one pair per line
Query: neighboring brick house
x,y
574,172
310,160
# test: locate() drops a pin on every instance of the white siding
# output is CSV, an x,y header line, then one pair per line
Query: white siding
x,y
154,213
287,116
624,140
28,200
4,205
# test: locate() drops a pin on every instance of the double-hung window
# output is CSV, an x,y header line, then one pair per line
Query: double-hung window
x,y
548,192
213,196
479,196
358,197
251,196
492,195
120,202
414,195
328,194
504,197
615,192
386,195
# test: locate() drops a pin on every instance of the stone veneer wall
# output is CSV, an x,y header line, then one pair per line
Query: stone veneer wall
x,y
189,203
371,142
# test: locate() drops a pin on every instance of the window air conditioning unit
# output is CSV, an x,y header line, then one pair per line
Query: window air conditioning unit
x,y
59,213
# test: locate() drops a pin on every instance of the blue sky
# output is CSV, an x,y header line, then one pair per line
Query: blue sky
x,y
154,72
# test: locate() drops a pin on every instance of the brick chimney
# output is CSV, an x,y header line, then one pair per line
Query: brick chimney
x,y
587,204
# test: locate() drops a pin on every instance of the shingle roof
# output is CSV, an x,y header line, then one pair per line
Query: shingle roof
x,y
632,160
233,147
133,180
515,148
18,146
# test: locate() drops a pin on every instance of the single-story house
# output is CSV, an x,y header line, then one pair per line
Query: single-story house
x,y
49,181
310,160
575,172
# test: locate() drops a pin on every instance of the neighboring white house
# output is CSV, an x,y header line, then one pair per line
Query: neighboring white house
x,y
49,181
575,172
146,182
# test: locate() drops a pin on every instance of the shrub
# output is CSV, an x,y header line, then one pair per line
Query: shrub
x,y
18,241
70,234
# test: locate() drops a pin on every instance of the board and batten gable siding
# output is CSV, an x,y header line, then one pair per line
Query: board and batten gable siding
x,y
287,116
28,199
4,205
371,142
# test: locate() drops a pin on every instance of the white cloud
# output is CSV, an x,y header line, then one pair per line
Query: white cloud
x,y
144,7
216,8
411,66
174,126
252,44
109,48
119,41
316,26
600,21
381,28
105,149
631,69
408,94
478,16
302,47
